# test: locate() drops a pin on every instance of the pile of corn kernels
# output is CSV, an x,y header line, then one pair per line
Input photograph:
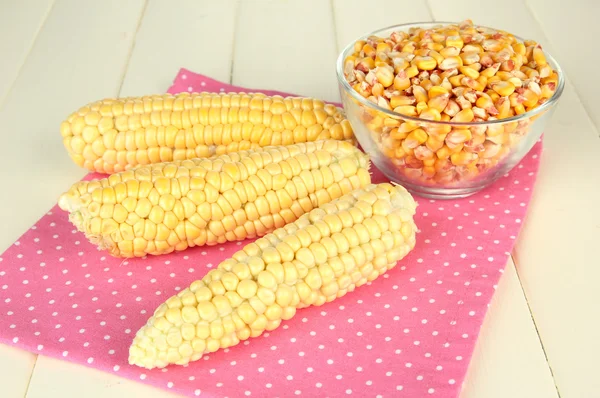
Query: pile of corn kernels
x,y
454,73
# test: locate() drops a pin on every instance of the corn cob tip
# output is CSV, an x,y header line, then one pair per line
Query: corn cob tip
x,y
322,256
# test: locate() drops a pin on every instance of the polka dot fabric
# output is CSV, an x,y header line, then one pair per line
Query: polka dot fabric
x,y
409,333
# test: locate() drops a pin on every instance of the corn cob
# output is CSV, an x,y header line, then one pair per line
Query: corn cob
x,y
114,135
322,256
165,207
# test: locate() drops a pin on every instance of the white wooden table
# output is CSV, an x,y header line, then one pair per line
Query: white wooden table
x,y
540,336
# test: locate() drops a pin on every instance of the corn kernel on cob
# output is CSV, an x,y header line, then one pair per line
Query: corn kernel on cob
x,y
322,256
165,207
114,135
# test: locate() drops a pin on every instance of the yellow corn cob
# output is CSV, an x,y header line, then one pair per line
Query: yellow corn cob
x,y
165,207
114,135
316,259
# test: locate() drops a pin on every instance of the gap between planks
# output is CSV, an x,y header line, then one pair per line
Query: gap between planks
x,y
535,325
31,375
132,48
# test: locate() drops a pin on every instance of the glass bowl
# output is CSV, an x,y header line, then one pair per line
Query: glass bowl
x,y
499,145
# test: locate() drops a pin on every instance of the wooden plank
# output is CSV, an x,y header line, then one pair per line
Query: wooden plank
x,y
565,30
508,331
199,20
508,361
54,378
197,35
556,253
557,283
287,46
16,367
20,23
64,69
67,68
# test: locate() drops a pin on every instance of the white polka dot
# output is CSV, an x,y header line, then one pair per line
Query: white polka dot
x,y
399,388
348,391
289,377
116,368
240,378
197,392
431,391
90,360
330,361
419,377
318,385
339,377
368,382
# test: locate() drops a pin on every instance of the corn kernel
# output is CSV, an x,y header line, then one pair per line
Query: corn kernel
x,y
454,41
385,76
464,116
430,114
503,88
539,57
407,110
425,63
401,83
399,100
412,71
436,91
469,72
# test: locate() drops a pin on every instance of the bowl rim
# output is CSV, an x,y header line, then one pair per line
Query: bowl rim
x,y
364,101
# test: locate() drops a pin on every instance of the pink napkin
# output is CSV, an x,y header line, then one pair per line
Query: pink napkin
x,y
409,333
